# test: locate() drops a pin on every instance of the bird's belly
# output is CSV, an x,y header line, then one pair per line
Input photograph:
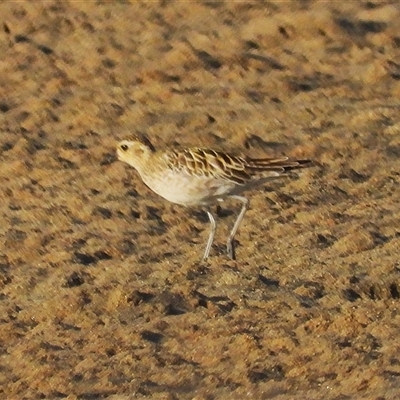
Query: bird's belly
x,y
188,190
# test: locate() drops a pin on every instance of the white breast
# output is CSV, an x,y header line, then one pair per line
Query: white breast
x,y
181,188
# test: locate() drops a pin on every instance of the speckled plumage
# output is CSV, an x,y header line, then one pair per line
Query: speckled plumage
x,y
200,177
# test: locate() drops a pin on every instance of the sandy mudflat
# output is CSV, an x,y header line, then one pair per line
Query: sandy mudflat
x,y
102,295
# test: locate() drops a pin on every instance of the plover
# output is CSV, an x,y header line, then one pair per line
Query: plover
x,y
202,176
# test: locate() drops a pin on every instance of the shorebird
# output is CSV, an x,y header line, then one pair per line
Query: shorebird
x,y
201,176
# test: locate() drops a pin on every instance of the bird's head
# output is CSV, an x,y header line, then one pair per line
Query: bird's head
x,y
135,151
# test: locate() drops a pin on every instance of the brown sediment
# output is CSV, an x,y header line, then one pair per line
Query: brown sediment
x,y
101,291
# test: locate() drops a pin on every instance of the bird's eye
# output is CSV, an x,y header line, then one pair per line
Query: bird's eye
x,y
124,147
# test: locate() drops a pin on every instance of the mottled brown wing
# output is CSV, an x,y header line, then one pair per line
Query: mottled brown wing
x,y
206,162
210,163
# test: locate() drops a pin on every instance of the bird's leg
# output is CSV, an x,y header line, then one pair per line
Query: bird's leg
x,y
213,227
229,243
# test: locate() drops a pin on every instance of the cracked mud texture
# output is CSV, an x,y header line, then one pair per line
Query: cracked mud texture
x,y
102,294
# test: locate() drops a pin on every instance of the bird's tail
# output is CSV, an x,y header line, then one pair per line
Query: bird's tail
x,y
279,165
